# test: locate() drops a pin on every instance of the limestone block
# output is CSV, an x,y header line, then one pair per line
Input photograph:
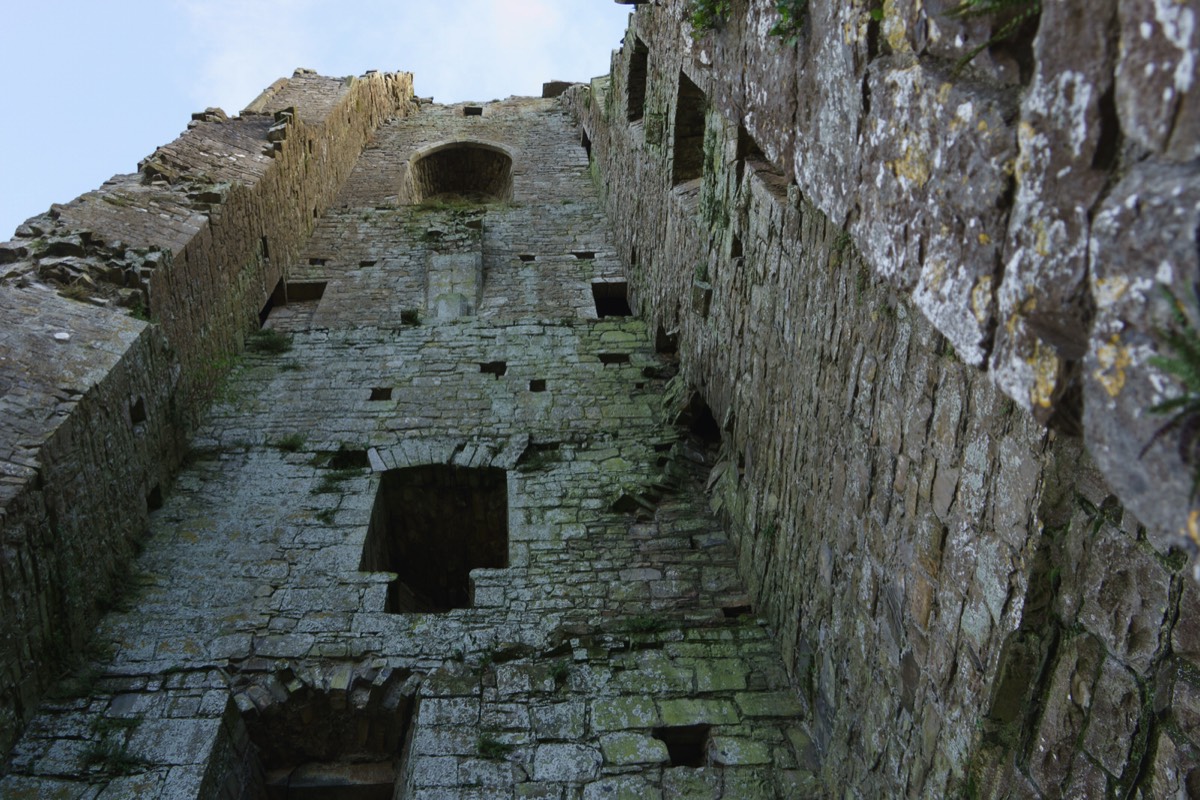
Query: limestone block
x,y
1143,241
1065,137
1115,717
566,762
1067,703
1157,97
1127,598
936,156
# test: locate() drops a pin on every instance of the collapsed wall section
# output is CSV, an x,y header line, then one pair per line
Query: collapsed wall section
x,y
942,569
159,275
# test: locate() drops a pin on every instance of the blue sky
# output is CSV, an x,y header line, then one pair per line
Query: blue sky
x,y
89,88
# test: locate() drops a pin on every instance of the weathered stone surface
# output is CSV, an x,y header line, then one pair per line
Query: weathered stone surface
x,y
935,224
1156,96
1143,242
1067,141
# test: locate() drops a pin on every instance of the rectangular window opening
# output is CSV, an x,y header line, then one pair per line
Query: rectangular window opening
x,y
690,107
368,263
432,525
584,255
472,111
614,358
735,247
639,63
381,393
611,298
527,257
305,291
537,385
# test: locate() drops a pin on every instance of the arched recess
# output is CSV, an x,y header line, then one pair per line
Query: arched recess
x,y
472,171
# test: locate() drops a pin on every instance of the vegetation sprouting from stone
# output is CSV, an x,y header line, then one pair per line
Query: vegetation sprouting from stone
x,y
791,20
1010,15
707,15
113,758
1183,364
269,341
290,443
488,746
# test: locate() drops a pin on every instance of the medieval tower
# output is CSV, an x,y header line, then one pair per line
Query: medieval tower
x,y
805,409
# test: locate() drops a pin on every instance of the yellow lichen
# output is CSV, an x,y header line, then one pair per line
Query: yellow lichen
x,y
913,167
1045,375
1113,358
1042,241
981,299
1110,290
984,239
894,28
1027,307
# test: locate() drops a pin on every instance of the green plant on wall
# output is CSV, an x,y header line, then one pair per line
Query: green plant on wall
x,y
791,20
1011,14
1183,364
707,15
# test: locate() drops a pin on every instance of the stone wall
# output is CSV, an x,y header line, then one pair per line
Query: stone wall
x,y
97,404
964,601
614,651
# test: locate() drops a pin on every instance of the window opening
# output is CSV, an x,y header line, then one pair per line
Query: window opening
x,y
638,71
381,393
316,743
496,368
432,525
611,298
463,171
472,111
688,163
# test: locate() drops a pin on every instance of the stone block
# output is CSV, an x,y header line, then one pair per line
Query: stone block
x,y
571,763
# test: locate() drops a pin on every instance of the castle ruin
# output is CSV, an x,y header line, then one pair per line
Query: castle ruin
x,y
772,417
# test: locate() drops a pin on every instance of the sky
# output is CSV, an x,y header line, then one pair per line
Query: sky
x,y
90,87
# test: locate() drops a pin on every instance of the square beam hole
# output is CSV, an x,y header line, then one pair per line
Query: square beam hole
x,y
583,255
614,358
472,111
537,385
381,393
687,745
611,298
527,257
